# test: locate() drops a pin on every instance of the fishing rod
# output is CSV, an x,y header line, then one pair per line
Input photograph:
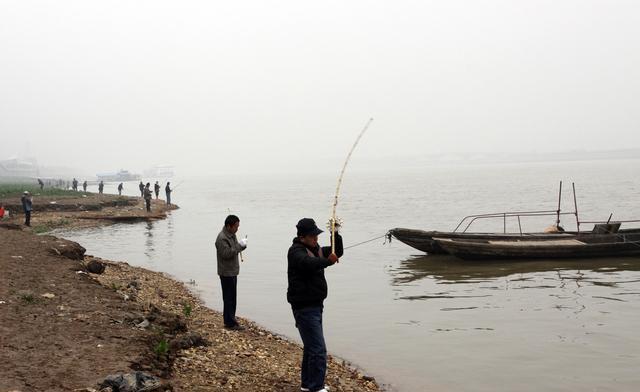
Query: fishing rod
x,y
339,185
180,183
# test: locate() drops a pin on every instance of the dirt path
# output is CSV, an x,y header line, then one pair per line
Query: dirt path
x,y
57,330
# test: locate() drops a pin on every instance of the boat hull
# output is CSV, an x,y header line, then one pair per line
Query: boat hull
x,y
593,246
424,241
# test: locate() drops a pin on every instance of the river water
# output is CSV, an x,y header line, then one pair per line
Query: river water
x,y
420,323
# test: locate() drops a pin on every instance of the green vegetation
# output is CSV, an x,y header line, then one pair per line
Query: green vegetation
x,y
161,348
39,229
186,309
51,225
15,190
28,298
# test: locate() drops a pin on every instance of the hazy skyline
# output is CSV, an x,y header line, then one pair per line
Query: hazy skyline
x,y
220,87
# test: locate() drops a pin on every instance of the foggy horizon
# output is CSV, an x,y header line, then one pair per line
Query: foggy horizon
x,y
254,86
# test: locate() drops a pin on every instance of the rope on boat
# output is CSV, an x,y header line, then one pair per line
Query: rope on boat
x,y
386,236
624,240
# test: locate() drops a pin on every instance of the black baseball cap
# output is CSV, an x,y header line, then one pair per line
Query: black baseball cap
x,y
307,226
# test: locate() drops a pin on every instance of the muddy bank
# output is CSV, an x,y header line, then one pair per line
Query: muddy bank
x,y
83,210
58,330
65,328
250,360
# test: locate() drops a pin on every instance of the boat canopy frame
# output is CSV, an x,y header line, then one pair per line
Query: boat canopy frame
x,y
468,220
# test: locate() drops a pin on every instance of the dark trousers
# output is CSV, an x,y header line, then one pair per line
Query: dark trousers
x,y
314,356
168,198
229,296
148,203
27,218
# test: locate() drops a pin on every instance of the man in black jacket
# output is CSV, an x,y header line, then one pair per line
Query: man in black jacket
x,y
306,293
168,190
146,192
27,207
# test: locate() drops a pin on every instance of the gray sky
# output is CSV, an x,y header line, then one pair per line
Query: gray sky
x,y
263,85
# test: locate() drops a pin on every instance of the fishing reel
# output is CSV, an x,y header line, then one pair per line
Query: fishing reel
x,y
338,224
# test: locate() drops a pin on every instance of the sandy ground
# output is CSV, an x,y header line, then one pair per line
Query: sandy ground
x,y
65,330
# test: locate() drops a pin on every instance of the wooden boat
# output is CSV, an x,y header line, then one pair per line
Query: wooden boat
x,y
604,239
585,245
424,240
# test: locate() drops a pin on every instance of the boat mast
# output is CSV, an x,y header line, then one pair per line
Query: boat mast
x,y
575,205
559,203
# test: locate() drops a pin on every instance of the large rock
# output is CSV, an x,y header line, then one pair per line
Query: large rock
x,y
170,322
132,382
95,266
69,249
186,341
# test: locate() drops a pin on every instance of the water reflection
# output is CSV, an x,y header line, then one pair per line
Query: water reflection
x,y
149,241
541,288
448,269
169,237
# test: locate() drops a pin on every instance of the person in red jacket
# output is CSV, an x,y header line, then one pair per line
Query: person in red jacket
x,y
2,212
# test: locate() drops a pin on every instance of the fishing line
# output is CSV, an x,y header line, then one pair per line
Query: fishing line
x,y
180,183
386,235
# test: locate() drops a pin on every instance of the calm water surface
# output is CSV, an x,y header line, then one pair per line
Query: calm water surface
x,y
421,323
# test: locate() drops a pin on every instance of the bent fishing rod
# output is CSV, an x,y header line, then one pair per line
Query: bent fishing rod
x,y
333,221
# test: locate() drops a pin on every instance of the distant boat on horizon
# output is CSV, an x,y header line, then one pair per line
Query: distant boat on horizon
x,y
119,176
159,171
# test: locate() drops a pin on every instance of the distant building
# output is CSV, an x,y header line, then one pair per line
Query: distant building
x,y
19,168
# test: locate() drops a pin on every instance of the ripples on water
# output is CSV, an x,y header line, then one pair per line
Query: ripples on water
x,y
551,325
421,323
571,285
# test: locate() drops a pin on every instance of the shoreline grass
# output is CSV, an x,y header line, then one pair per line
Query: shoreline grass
x,y
16,190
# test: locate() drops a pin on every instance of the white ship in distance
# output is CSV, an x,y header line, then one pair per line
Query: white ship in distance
x,y
159,171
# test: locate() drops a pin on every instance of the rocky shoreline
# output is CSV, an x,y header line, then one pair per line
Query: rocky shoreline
x,y
74,322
